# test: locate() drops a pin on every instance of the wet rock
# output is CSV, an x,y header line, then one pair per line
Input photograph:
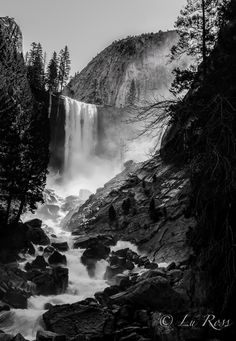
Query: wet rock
x,y
16,298
34,223
49,336
19,337
49,249
175,275
57,258
151,274
35,233
141,316
38,263
171,266
63,246
123,281
112,271
155,293
49,281
93,254
14,288
4,307
31,249
151,265
6,337
129,265
91,241
80,320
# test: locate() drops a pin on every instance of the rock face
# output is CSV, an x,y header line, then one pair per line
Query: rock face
x,y
155,293
163,238
80,319
126,72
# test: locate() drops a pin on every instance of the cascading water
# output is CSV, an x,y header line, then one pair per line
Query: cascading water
x,y
81,133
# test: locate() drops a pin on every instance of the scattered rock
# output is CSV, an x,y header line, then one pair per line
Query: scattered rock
x,y
16,298
80,320
63,246
91,241
155,293
38,263
6,337
35,233
4,307
56,258
49,281
49,336
171,266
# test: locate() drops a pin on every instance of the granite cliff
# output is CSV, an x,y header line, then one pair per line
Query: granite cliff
x,y
129,71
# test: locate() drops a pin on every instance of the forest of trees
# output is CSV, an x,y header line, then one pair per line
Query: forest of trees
x,y
24,129
24,132
51,77
197,25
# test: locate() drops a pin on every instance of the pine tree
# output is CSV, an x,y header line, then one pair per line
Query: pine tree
x,y
24,133
132,93
52,73
64,67
35,64
197,25
112,213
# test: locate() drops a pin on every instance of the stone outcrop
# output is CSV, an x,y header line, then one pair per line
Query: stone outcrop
x,y
163,235
128,71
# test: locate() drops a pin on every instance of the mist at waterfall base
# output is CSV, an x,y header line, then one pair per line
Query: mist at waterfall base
x,y
85,165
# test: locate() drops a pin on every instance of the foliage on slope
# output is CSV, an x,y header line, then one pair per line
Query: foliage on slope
x,y
24,130
203,133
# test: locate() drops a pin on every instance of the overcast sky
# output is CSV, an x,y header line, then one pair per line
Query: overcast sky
x,y
88,26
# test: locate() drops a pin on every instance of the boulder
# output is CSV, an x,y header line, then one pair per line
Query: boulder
x,y
112,271
84,320
38,263
14,288
151,274
4,307
49,281
6,337
19,337
85,242
155,293
16,298
34,223
35,233
49,249
49,336
63,246
92,255
151,265
57,258
175,275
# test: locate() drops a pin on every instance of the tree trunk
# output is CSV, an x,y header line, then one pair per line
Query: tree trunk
x,y
22,204
9,201
204,37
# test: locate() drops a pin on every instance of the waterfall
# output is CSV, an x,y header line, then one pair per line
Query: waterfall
x,y
81,133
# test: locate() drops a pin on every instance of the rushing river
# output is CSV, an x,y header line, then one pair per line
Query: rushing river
x,y
81,285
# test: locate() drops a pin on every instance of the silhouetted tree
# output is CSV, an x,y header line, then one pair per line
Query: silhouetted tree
x,y
35,64
126,205
52,73
112,213
24,132
197,26
64,67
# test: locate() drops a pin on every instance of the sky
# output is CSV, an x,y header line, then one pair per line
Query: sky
x,y
87,26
